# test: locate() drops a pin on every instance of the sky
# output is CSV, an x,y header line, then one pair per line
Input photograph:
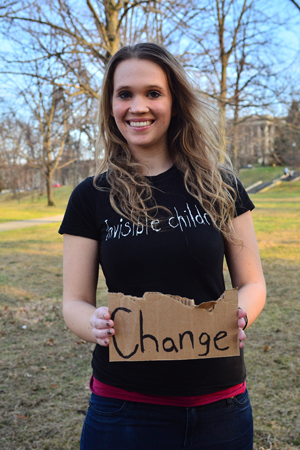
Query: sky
x,y
287,35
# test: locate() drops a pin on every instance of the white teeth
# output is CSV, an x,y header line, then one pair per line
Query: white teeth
x,y
140,124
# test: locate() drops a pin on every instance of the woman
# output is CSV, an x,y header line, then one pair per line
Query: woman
x,y
161,218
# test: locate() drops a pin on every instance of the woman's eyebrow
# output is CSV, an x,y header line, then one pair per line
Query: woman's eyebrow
x,y
121,88
154,86
151,86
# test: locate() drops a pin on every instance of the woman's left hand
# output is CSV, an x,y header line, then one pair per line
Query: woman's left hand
x,y
245,271
242,324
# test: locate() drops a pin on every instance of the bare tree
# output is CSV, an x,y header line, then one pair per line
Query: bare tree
x,y
248,86
296,4
40,139
9,157
234,54
225,43
79,37
287,142
65,45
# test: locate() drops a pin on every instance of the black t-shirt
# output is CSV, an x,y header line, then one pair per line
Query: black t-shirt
x,y
180,253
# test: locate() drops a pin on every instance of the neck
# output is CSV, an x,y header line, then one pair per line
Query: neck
x,y
155,164
155,169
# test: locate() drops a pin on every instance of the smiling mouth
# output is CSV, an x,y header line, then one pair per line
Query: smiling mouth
x,y
146,123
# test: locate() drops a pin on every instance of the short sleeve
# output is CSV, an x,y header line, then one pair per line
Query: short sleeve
x,y
80,218
243,202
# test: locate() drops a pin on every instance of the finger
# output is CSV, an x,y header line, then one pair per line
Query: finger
x,y
102,313
242,313
241,323
242,335
103,342
102,324
103,333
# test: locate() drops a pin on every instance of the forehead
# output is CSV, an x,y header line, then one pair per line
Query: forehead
x,y
138,72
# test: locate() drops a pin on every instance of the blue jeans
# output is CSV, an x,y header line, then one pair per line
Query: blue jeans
x,y
113,424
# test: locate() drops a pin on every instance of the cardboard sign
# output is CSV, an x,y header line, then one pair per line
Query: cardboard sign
x,y
166,327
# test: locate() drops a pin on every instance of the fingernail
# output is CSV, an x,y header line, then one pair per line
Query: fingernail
x,y
107,324
108,331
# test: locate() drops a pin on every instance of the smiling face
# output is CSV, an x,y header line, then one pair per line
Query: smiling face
x,y
142,106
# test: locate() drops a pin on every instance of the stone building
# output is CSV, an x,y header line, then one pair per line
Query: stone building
x,y
255,137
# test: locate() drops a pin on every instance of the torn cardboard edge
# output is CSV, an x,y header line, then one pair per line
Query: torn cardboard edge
x,y
168,327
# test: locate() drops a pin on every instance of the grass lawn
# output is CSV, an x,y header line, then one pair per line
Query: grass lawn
x,y
273,352
33,206
45,369
251,176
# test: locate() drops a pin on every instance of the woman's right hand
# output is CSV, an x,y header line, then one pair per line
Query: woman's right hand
x,y
102,326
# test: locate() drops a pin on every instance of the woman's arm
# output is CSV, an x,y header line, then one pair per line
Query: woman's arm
x,y
80,275
245,269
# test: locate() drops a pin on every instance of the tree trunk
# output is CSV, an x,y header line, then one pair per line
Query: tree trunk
x,y
49,189
236,162
222,103
112,22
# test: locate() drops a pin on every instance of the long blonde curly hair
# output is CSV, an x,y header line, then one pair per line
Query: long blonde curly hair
x,y
194,139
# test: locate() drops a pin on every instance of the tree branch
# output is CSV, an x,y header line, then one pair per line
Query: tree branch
x,y
296,4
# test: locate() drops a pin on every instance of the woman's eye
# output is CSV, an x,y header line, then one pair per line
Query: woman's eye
x,y
124,94
154,94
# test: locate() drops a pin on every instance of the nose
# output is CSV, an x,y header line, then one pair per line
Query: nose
x,y
138,105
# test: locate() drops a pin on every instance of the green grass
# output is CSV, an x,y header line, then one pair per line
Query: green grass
x,y
33,206
276,219
45,369
285,191
272,349
259,173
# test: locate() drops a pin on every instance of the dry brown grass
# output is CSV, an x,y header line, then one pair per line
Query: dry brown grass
x,y
272,350
45,369
273,360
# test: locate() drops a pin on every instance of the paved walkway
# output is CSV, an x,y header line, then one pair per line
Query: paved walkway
x,y
7,226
